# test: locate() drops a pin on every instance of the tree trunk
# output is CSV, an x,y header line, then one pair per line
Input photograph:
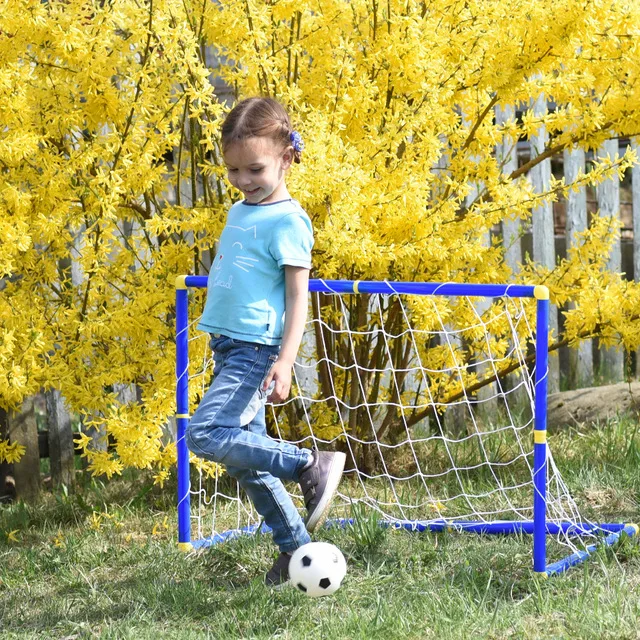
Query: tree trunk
x,y
594,404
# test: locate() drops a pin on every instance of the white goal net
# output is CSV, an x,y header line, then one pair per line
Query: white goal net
x,y
431,397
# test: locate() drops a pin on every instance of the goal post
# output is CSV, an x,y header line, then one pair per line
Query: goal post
x,y
396,447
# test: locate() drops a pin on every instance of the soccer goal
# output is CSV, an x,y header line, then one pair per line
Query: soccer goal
x,y
437,393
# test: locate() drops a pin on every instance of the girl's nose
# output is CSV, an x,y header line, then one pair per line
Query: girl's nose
x,y
244,180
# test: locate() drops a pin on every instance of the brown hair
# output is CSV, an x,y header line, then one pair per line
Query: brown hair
x,y
257,118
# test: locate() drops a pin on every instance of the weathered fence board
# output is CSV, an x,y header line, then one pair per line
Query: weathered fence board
x,y
544,251
507,156
580,372
608,195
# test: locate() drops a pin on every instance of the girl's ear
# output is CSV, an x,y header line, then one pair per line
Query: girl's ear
x,y
287,158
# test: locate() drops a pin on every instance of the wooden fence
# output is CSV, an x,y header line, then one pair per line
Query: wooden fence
x,y
551,233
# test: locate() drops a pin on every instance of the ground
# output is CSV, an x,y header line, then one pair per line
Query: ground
x,y
105,564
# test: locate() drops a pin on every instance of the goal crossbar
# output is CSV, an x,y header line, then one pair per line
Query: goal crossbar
x,y
539,527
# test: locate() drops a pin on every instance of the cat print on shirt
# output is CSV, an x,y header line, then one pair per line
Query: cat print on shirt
x,y
239,259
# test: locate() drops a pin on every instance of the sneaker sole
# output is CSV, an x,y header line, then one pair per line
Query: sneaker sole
x,y
321,511
281,586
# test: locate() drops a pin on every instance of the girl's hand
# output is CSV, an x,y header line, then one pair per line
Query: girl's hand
x,y
280,375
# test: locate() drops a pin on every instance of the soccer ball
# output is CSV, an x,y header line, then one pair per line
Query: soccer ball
x,y
317,569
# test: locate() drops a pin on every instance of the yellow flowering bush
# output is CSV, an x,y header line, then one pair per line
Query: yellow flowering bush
x,y
112,182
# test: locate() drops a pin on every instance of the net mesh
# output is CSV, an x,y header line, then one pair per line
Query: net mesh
x,y
432,399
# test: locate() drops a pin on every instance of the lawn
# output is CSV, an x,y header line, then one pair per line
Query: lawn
x,y
104,564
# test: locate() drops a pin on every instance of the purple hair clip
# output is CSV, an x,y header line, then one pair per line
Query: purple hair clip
x,y
296,141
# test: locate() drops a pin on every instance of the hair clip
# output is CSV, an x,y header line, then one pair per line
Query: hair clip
x,y
296,141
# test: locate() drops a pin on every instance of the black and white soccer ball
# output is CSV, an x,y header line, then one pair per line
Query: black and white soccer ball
x,y
317,569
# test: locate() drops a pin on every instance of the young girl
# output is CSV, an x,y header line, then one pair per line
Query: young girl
x,y
256,308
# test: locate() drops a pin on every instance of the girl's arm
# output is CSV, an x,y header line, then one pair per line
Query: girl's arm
x,y
296,302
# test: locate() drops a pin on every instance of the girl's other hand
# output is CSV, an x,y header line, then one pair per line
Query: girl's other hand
x,y
280,376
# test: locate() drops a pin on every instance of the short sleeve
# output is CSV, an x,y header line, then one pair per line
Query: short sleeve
x,y
292,241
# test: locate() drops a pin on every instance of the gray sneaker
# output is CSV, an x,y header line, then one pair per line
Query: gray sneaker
x,y
319,483
278,576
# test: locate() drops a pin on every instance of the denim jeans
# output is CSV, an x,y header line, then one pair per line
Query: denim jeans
x,y
229,427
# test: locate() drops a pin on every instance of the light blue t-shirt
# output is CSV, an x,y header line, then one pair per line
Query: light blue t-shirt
x,y
246,288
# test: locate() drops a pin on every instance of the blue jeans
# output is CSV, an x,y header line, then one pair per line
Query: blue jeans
x,y
229,427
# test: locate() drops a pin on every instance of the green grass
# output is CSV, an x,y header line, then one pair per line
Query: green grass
x,y
104,564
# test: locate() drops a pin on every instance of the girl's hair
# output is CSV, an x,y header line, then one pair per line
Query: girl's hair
x,y
258,118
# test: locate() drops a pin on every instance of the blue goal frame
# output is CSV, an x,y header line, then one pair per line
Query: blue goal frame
x,y
539,528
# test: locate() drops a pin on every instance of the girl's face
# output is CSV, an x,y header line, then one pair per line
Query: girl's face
x,y
257,166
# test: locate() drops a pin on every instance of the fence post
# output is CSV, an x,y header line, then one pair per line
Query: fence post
x,y
580,357
486,395
507,156
544,251
23,429
635,191
512,229
61,450
97,435
608,195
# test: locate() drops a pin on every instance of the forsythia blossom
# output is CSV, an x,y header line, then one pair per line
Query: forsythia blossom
x,y
112,181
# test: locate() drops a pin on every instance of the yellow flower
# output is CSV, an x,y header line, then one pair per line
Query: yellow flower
x,y
11,452
404,126
12,535
160,528
96,521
